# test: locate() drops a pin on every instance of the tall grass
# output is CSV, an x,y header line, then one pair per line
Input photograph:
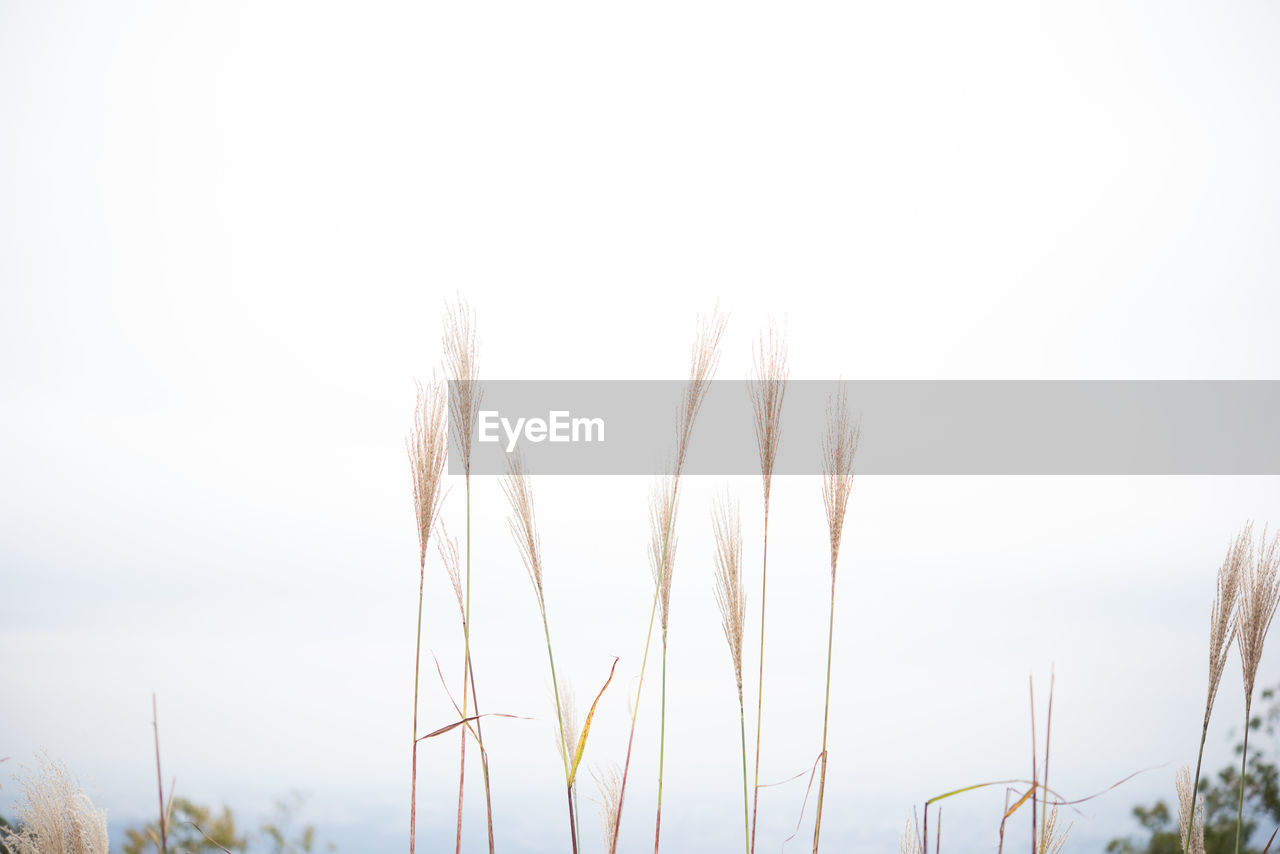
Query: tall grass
x,y
767,390
1259,595
838,449
703,362
524,531
731,597
55,816
462,364
427,446
1223,625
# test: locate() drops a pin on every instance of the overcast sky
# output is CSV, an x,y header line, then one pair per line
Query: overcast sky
x,y
227,234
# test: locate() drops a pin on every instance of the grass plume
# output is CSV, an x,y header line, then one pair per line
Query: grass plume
x,y
1259,595
55,816
1190,813
704,359
1223,625
427,447
462,365
839,446
524,531
767,390
731,596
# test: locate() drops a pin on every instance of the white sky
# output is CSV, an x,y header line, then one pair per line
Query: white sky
x,y
226,236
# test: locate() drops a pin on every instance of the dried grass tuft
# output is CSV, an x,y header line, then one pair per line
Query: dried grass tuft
x,y
662,542
1053,837
704,360
427,445
767,391
523,524
1259,595
1190,809
1223,619
731,596
55,816
570,727
909,839
447,545
839,446
609,783
463,366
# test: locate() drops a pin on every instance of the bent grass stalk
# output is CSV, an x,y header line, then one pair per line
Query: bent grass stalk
x,y
731,597
464,398
767,392
525,532
838,449
705,357
427,447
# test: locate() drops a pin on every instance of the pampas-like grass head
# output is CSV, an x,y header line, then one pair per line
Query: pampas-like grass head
x,y
839,446
56,816
662,542
703,362
523,525
1190,810
609,783
463,367
447,545
1259,595
428,447
1223,619
730,594
767,390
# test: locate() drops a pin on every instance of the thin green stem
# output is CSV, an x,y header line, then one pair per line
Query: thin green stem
x,y
764,582
826,715
565,747
662,741
746,808
1195,786
644,659
635,712
417,654
1244,759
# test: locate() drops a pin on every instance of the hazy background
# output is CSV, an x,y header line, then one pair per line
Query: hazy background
x,y
226,236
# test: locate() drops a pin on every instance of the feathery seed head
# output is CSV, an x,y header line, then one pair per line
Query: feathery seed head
x,y
1054,837
523,527
55,816
1224,618
1259,595
909,840
609,782
731,594
662,541
839,446
702,367
1190,809
427,445
767,390
569,723
448,547
462,365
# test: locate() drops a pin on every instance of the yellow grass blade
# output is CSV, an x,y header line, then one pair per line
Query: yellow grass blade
x,y
586,727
